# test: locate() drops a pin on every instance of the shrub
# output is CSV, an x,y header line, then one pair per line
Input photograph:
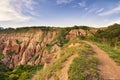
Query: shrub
x,y
3,76
13,77
25,71
1,56
24,76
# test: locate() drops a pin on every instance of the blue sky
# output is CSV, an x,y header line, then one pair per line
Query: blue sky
x,y
96,13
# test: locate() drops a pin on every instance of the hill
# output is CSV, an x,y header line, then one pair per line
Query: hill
x,y
48,52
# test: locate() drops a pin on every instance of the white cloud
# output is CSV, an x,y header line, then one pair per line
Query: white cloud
x,y
23,4
92,10
82,4
112,11
63,1
114,21
11,10
99,10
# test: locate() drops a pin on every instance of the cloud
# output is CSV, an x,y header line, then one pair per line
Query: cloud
x,y
82,4
63,1
23,4
112,11
99,10
114,21
92,10
11,10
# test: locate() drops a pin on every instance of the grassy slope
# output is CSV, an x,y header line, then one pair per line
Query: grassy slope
x,y
55,67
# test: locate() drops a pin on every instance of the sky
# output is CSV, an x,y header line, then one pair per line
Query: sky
x,y
93,13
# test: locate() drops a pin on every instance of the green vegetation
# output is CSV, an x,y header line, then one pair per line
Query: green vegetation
x,y
84,67
78,27
4,72
3,76
1,56
109,35
61,38
24,29
57,64
3,68
108,39
21,72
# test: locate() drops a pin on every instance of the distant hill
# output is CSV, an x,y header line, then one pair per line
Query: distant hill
x,y
110,35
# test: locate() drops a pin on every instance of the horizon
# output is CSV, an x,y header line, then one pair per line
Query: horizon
x,y
56,26
61,13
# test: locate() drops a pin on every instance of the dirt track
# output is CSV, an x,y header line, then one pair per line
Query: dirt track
x,y
109,70
64,70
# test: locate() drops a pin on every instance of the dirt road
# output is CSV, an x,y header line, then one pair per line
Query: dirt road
x,y
109,70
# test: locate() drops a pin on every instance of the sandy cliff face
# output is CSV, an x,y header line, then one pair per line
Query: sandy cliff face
x,y
31,48
75,33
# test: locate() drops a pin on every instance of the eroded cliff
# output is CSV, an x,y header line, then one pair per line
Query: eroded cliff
x,y
34,46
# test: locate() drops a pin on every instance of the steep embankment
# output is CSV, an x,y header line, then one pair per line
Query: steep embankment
x,y
58,69
61,69
26,48
33,46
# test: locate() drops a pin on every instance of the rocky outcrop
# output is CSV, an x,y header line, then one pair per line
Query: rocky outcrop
x,y
32,47
76,32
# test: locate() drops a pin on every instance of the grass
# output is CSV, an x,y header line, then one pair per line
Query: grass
x,y
21,72
114,53
55,67
75,40
84,67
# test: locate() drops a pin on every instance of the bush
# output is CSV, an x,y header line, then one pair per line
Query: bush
x,y
62,37
3,76
1,56
109,35
3,68
24,76
21,72
13,77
